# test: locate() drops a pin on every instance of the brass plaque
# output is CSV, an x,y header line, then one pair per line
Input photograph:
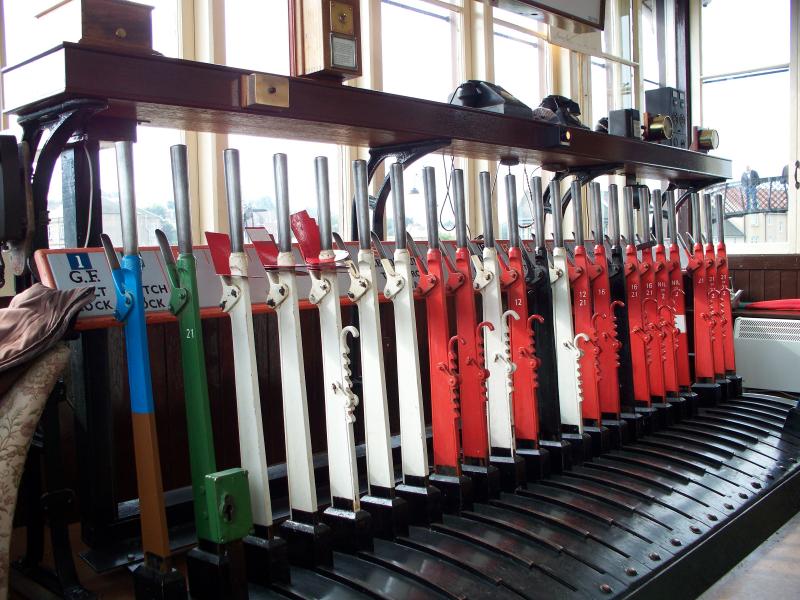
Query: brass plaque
x,y
342,18
262,89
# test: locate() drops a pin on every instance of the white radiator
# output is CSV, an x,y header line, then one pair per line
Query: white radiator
x,y
768,353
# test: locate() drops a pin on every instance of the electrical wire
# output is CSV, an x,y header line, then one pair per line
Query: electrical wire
x,y
448,176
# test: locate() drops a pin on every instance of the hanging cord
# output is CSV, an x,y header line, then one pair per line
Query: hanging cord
x,y
528,193
448,176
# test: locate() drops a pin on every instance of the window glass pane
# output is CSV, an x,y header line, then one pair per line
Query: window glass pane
x,y
416,222
739,35
258,180
756,199
599,90
155,205
26,35
429,69
257,35
649,36
616,36
55,209
518,19
516,64
522,174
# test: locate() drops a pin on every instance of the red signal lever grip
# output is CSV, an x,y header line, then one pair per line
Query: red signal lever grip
x,y
606,326
678,302
443,369
581,284
725,298
475,436
526,411
638,335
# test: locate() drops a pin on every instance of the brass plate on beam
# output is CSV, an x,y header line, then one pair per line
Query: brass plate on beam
x,y
342,18
262,89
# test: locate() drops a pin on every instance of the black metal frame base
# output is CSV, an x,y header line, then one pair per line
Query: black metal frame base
x,y
389,515
308,544
424,503
485,481
457,494
217,572
581,446
727,388
709,394
153,584
736,383
512,471
666,414
692,400
352,529
636,425
266,559
618,434
600,440
560,452
660,518
537,462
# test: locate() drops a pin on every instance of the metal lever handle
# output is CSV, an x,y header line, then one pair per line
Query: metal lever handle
x,y
376,241
323,203
538,209
127,198
180,187
695,217
166,249
111,254
613,214
577,212
511,200
796,171
398,203
485,186
234,191
558,219
658,217
282,195
459,208
432,218
416,253
360,181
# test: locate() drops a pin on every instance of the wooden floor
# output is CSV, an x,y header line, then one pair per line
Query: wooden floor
x,y
771,571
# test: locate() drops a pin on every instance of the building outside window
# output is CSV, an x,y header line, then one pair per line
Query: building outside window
x,y
746,96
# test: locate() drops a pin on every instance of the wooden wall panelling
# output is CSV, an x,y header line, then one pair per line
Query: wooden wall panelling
x,y
788,284
772,284
177,428
756,290
223,414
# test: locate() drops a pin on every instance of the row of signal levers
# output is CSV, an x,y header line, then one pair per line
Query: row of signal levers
x,y
570,353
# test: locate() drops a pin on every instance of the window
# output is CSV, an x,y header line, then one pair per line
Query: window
x,y
519,57
745,77
421,48
257,37
152,172
416,217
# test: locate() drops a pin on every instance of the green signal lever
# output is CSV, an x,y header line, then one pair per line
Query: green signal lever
x,y
216,568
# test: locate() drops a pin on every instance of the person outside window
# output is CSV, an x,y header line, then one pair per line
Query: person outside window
x,y
750,181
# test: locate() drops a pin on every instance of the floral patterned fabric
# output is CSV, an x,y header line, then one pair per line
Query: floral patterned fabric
x,y
20,409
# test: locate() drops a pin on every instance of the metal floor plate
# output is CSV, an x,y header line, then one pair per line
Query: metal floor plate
x,y
661,517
